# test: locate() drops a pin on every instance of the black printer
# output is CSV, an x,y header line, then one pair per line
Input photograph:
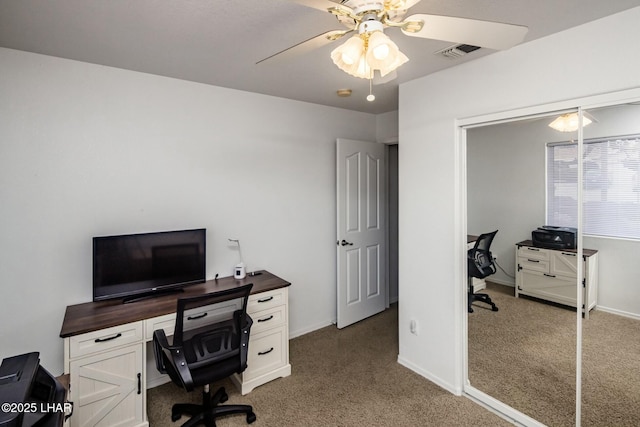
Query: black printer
x,y
552,237
30,395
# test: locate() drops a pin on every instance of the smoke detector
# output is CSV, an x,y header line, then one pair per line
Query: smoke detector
x,y
457,50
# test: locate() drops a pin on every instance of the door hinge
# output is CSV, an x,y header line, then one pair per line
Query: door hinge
x,y
519,267
584,283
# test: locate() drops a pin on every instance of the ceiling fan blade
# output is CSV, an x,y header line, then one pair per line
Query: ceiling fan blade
x,y
323,5
307,45
492,35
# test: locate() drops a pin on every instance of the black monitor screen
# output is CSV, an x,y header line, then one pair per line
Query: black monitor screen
x,y
137,264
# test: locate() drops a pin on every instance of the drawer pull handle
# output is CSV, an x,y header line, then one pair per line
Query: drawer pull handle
x,y
568,254
532,260
108,339
197,317
533,249
262,353
549,275
266,319
139,383
266,299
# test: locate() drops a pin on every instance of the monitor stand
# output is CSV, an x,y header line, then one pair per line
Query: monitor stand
x,y
152,294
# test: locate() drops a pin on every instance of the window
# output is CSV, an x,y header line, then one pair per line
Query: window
x,y
611,189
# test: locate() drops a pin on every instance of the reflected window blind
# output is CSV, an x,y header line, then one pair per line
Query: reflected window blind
x,y
611,192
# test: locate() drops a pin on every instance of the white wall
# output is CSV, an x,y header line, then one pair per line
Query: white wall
x,y
573,64
516,205
387,127
88,150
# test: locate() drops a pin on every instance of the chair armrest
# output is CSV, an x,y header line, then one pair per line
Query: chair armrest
x,y
175,356
244,340
159,343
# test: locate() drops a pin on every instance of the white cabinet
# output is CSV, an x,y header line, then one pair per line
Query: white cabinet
x,y
106,377
268,357
551,275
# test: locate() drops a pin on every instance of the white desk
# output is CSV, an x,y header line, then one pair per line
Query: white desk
x,y
105,348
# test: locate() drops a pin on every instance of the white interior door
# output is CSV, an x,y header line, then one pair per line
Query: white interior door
x,y
362,230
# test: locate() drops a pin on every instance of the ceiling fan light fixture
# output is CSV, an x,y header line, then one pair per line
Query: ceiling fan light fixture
x,y
401,58
379,46
349,57
348,53
382,52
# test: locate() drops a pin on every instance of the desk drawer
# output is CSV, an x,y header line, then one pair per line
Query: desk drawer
x,y
267,319
104,339
166,322
265,300
533,264
533,253
267,352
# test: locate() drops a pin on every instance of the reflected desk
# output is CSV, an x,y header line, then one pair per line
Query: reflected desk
x,y
105,347
552,275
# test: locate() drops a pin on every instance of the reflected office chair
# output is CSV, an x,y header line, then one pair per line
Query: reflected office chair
x,y
480,265
210,343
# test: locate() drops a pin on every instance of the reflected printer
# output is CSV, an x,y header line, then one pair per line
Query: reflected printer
x,y
552,237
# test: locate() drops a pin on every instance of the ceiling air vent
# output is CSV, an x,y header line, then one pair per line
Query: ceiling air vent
x,y
457,50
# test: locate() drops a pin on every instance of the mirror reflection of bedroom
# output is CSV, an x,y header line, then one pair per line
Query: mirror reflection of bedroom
x,y
523,175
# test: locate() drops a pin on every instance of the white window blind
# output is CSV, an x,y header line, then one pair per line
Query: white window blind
x,y
611,191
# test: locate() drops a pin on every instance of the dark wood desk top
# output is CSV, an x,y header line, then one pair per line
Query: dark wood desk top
x,y
585,252
93,316
471,238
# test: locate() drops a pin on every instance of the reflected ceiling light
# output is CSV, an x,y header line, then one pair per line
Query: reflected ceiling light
x,y
569,122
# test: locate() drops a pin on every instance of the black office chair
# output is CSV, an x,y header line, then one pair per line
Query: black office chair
x,y
480,265
210,343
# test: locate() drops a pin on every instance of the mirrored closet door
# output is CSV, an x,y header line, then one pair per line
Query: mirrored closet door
x,y
611,224
523,174
524,354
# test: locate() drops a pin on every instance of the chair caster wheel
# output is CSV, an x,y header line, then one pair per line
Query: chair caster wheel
x,y
251,417
175,417
224,397
494,308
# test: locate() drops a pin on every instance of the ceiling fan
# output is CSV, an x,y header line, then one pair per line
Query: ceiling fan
x,y
369,49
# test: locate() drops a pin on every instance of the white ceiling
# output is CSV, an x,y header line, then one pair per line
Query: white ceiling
x,y
218,42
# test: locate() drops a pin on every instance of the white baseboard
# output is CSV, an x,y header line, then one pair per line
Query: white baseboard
x,y
500,282
300,332
433,378
634,316
158,381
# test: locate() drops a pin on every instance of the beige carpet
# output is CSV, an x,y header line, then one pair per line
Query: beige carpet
x,y
347,377
524,355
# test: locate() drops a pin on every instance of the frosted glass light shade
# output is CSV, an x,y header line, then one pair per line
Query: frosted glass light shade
x,y
383,54
349,57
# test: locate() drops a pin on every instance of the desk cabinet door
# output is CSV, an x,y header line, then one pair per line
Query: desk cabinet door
x,y
107,388
540,285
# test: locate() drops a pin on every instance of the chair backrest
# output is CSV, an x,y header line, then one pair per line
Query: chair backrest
x,y
480,259
209,326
